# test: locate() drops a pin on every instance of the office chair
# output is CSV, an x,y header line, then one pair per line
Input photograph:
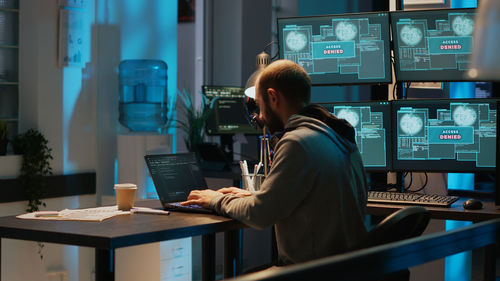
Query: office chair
x,y
403,224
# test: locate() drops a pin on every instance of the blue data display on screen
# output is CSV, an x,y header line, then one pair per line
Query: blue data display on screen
x,y
371,122
432,45
339,49
445,135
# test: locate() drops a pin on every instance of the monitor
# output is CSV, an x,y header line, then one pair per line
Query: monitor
x,y
432,45
453,135
228,114
339,49
372,125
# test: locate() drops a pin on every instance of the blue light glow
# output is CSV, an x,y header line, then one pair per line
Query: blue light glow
x,y
458,267
464,3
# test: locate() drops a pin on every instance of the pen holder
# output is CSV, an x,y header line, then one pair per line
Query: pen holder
x,y
251,183
257,181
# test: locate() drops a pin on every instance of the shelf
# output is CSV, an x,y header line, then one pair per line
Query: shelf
x,y
9,46
9,119
9,10
9,83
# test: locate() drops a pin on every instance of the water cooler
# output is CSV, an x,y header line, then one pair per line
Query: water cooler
x,y
143,109
143,102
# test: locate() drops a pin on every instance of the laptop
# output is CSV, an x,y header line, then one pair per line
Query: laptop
x,y
174,177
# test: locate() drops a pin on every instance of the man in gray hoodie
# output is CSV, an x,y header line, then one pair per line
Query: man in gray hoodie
x,y
315,192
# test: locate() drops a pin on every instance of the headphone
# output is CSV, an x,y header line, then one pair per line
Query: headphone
x,y
252,113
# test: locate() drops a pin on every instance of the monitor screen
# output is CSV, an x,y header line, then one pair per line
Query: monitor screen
x,y
339,49
372,124
457,135
228,114
432,45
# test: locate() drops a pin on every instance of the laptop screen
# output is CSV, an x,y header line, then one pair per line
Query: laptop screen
x,y
175,175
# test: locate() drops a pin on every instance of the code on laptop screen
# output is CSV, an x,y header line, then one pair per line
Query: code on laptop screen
x,y
175,175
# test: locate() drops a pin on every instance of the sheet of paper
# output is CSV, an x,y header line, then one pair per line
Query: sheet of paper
x,y
90,214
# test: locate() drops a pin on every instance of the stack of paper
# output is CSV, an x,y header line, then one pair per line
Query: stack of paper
x,y
90,214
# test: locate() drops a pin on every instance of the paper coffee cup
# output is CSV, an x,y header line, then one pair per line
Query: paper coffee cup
x,y
125,194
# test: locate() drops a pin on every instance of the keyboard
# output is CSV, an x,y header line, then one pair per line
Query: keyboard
x,y
176,206
410,198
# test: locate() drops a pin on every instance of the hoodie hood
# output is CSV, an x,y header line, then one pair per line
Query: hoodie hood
x,y
318,118
340,126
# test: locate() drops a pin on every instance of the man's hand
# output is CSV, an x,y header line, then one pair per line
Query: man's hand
x,y
201,197
236,191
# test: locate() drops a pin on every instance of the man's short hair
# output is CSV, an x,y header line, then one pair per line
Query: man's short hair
x,y
289,79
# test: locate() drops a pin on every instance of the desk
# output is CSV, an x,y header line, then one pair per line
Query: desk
x,y
130,230
454,212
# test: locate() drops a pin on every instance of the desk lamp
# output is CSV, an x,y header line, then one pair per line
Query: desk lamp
x,y
262,61
485,60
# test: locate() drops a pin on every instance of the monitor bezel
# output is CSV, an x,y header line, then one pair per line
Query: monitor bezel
x,y
388,152
396,163
395,46
218,132
340,15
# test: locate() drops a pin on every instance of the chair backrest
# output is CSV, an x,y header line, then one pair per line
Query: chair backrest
x,y
403,224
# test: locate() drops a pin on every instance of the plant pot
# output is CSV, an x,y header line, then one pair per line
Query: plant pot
x,y
3,147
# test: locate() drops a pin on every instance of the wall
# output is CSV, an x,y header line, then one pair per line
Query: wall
x,y
128,30
60,102
77,108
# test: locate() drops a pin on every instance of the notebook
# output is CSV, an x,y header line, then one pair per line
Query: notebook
x,y
174,177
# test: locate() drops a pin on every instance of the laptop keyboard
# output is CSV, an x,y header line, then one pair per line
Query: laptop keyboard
x,y
194,207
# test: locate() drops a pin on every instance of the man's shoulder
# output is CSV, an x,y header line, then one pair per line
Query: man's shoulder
x,y
301,133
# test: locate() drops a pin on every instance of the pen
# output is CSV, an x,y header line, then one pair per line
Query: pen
x,y
51,214
149,211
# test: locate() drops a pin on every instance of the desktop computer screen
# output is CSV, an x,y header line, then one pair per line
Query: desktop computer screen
x,y
432,45
339,49
372,124
457,135
228,113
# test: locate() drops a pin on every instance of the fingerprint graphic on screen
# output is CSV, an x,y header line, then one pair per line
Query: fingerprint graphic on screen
x,y
296,41
346,31
411,35
411,124
464,116
350,116
463,25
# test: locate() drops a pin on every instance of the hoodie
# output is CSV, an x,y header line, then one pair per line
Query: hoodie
x,y
315,192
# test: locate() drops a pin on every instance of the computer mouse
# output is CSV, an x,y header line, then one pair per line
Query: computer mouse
x,y
473,204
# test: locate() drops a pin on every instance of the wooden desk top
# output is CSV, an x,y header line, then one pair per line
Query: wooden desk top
x,y
454,212
120,231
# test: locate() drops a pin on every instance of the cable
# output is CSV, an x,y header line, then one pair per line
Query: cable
x,y
407,90
411,182
423,186
271,43
394,91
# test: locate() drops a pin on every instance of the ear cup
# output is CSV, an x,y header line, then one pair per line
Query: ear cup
x,y
252,113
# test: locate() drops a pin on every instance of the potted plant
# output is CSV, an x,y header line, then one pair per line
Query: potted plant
x,y
195,118
34,169
4,133
35,166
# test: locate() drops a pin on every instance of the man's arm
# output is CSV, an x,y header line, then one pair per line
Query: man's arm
x,y
203,197
287,184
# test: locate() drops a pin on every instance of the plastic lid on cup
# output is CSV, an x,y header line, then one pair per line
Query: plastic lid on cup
x,y
125,186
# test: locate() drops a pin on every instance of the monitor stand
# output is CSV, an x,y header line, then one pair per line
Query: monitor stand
x,y
226,142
